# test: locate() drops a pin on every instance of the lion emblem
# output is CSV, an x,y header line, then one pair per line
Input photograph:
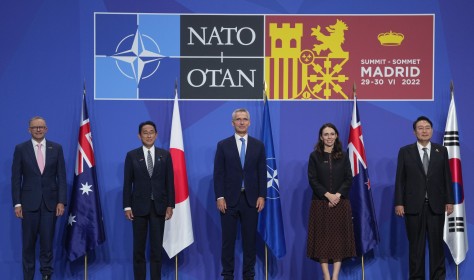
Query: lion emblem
x,y
333,41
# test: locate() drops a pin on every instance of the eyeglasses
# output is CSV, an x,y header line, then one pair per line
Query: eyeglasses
x,y
151,133
38,127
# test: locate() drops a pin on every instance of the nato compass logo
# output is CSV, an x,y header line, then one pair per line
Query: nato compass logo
x,y
136,56
273,189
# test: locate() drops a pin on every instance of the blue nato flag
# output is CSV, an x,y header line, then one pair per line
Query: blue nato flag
x,y
270,223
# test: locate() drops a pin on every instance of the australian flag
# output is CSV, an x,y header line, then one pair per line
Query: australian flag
x,y
85,228
270,222
366,232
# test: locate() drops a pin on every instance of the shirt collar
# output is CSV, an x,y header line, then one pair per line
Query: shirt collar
x,y
152,150
43,142
237,137
420,147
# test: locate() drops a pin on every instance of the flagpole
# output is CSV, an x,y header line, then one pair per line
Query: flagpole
x,y
85,267
266,248
451,92
266,262
363,270
362,257
85,256
176,267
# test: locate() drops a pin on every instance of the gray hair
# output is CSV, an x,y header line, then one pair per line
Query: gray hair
x,y
243,110
36,118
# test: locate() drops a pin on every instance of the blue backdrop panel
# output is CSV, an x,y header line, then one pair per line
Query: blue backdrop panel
x,y
48,51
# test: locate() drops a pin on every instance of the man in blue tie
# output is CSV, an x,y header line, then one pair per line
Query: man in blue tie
x,y
240,186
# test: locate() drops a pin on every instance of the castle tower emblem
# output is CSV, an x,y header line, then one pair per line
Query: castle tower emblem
x,y
296,73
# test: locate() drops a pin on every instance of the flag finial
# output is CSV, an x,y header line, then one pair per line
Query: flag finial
x,y
84,87
354,89
451,88
264,90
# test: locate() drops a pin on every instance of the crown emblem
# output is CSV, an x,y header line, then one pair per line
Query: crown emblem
x,y
390,38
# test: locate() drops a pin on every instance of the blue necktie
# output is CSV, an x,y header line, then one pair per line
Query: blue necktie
x,y
242,152
242,158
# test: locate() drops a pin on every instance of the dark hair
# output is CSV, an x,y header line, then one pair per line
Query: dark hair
x,y
337,149
146,123
421,118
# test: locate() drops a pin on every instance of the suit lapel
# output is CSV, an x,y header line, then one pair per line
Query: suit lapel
x,y
142,160
236,150
415,153
434,156
49,153
158,158
249,150
31,153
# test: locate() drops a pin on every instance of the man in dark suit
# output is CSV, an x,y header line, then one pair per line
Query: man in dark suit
x,y
148,199
423,193
240,186
39,195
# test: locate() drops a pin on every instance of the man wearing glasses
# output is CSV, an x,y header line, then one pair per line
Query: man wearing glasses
x,y
39,195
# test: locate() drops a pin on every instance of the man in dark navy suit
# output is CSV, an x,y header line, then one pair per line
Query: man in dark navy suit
x,y
240,186
423,193
39,195
148,199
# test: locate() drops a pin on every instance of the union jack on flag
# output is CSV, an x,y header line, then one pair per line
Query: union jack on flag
x,y
366,232
85,228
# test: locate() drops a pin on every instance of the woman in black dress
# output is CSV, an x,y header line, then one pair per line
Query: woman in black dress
x,y
330,230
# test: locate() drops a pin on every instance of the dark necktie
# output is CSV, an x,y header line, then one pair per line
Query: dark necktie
x,y
426,163
426,160
149,162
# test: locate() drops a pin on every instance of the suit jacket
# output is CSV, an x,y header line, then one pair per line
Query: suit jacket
x,y
228,172
411,182
138,185
319,171
29,186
